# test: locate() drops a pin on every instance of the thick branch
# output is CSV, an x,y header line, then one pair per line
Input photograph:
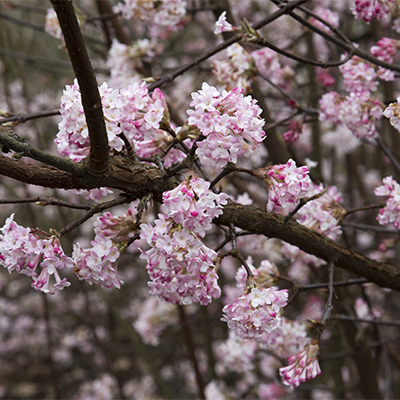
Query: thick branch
x,y
259,221
97,160
135,179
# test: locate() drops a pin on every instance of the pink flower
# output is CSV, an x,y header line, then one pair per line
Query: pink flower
x,y
222,25
303,366
368,9
256,311
390,214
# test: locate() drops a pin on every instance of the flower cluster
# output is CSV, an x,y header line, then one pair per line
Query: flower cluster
x,y
393,113
192,205
97,264
110,226
24,249
256,311
359,76
130,111
229,121
390,214
303,366
295,129
368,9
154,315
385,50
286,184
180,266
327,15
324,213
163,17
52,26
237,70
356,112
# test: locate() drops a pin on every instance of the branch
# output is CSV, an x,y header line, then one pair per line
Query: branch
x,y
256,220
98,159
11,140
236,38
340,43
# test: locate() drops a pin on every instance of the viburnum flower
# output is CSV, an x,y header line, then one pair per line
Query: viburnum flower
x,y
110,226
193,205
24,250
368,9
286,184
390,214
163,17
52,26
357,111
229,121
256,311
131,111
303,366
358,76
327,15
97,264
385,50
295,129
393,112
181,268
324,213
222,25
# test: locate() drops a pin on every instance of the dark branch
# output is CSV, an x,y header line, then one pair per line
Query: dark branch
x,y
98,159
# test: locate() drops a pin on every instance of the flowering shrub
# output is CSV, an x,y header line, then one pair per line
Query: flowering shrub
x,y
227,153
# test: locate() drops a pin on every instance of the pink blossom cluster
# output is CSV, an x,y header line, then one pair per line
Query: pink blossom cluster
x,y
192,205
303,366
25,249
390,214
237,70
256,311
368,9
286,184
295,129
267,63
180,266
110,226
393,113
229,121
154,316
357,112
124,60
237,353
52,26
130,111
287,339
162,17
97,264
385,50
327,15
324,213
359,76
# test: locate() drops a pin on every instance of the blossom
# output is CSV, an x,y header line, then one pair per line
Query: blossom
x,y
222,25
368,9
390,214
25,250
286,184
52,26
229,121
393,112
303,366
97,264
163,17
131,111
256,311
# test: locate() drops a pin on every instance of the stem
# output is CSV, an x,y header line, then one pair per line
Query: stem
x,y
187,335
98,158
